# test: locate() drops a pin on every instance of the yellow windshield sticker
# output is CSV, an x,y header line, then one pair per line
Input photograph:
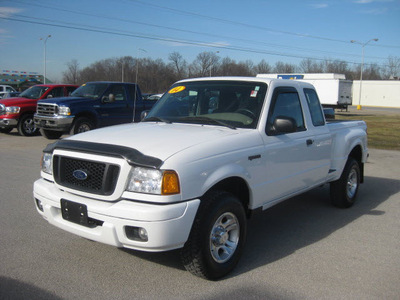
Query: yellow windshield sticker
x,y
177,89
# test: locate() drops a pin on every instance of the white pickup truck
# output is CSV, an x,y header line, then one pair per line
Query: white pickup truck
x,y
209,153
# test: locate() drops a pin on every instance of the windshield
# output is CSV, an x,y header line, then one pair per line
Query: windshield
x,y
235,104
34,92
90,90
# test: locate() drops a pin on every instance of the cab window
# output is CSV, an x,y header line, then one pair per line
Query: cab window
x,y
285,104
56,92
118,91
317,116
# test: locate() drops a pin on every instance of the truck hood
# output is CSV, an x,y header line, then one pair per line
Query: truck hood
x,y
17,101
158,140
69,100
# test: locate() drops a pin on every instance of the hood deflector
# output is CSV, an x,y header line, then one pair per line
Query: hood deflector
x,y
132,156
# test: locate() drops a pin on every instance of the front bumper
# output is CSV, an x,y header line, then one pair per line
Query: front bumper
x,y
8,123
58,123
168,226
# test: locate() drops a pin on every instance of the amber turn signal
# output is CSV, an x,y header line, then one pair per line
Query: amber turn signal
x,y
170,183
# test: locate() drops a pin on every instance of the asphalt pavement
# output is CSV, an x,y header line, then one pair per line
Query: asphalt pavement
x,y
303,248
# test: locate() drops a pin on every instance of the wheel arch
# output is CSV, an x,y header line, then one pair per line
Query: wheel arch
x,y
357,154
86,114
236,186
23,114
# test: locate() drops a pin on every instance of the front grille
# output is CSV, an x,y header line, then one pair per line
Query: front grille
x,y
99,178
46,109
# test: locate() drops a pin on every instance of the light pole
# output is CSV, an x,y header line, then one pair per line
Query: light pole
x,y
45,41
136,83
362,66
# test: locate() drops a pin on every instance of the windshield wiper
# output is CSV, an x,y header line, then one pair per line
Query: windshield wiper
x,y
157,119
207,121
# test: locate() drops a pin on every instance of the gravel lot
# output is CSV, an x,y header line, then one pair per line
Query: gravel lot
x,y
300,249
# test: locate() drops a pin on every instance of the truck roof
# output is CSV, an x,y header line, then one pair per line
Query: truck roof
x,y
108,82
56,85
268,81
303,75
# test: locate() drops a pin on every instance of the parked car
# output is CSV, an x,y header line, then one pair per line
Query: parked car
x,y
155,97
4,89
10,95
18,112
210,153
92,105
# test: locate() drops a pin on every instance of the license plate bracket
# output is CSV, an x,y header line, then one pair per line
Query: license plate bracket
x,y
74,212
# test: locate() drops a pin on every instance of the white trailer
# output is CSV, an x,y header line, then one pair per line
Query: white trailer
x,y
333,89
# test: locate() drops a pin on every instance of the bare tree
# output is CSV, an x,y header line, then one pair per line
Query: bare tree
x,y
309,65
71,75
392,69
179,64
263,67
370,72
155,76
204,63
281,67
126,68
336,66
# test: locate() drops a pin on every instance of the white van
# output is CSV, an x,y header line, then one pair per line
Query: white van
x,y
4,89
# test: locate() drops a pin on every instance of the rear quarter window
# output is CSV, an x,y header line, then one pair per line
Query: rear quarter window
x,y
314,105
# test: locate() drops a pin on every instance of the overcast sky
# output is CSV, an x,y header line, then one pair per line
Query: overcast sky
x,y
283,30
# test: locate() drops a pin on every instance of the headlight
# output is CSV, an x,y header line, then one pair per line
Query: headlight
x,y
12,110
150,181
46,163
64,111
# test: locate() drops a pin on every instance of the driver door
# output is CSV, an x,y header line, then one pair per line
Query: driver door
x,y
116,111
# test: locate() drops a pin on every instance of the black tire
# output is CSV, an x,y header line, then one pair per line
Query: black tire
x,y
343,191
5,130
81,125
26,126
50,134
220,225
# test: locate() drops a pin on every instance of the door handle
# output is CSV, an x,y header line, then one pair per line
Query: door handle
x,y
310,142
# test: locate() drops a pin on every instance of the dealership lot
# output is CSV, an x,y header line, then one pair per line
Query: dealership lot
x,y
301,249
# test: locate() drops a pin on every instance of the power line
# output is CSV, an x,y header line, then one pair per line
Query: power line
x,y
174,10
194,32
158,38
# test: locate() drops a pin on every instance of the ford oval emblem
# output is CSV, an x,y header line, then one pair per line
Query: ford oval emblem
x,y
80,174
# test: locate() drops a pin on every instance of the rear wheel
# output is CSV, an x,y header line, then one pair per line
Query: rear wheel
x,y
81,125
50,134
26,126
344,190
217,238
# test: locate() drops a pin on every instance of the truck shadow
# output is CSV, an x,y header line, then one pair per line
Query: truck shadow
x,y
17,289
306,219
293,224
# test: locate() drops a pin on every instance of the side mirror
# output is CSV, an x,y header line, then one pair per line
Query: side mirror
x,y
144,114
109,99
329,113
283,125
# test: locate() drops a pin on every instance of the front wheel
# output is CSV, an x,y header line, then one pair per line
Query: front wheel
x,y
26,126
344,190
217,238
81,125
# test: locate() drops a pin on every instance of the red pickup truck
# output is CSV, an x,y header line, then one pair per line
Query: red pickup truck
x,y
18,112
